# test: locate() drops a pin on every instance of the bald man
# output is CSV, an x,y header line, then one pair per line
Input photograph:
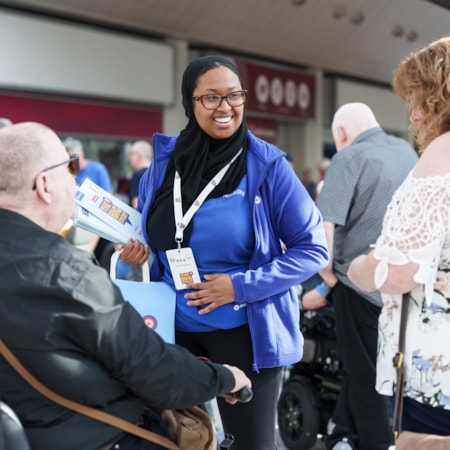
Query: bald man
x,y
362,177
68,324
140,156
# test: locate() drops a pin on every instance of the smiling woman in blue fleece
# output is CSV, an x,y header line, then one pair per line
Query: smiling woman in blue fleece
x,y
221,203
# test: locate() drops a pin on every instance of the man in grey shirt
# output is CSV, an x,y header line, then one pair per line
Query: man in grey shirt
x,y
363,175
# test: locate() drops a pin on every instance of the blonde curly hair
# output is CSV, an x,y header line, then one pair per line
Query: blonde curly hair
x,y
422,80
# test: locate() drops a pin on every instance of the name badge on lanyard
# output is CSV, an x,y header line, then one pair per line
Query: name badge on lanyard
x,y
183,267
181,260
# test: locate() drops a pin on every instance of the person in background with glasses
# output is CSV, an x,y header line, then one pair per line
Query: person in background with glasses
x,y
225,201
68,324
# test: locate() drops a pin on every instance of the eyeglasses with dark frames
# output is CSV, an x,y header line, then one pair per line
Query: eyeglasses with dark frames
x,y
213,101
73,165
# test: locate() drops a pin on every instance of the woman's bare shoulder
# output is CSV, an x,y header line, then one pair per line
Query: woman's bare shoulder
x,y
435,159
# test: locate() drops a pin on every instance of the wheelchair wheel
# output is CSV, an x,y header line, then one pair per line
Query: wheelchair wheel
x,y
298,415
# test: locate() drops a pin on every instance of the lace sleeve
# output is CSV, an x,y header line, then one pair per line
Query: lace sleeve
x,y
415,226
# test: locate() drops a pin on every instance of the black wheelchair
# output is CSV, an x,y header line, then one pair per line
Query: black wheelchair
x,y
310,387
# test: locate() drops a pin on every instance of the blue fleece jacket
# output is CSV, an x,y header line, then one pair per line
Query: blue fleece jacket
x,y
282,212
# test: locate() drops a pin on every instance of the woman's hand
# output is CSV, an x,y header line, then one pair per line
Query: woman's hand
x,y
135,252
216,291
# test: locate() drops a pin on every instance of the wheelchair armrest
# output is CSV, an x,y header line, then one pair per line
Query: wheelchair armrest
x,y
12,434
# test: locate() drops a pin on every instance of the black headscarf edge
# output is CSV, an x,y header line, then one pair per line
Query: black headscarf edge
x,y
195,70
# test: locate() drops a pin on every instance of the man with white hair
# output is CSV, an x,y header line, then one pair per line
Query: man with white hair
x,y
140,157
363,175
96,171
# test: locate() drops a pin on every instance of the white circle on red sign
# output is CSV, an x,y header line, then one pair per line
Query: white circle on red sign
x,y
304,96
291,93
262,89
276,91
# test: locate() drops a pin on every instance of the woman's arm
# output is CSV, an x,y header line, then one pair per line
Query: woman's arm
x,y
414,227
287,214
399,278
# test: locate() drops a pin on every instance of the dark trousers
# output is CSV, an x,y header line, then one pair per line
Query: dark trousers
x,y
253,423
424,418
361,413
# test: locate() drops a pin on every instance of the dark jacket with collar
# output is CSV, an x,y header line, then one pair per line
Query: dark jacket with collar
x,y
67,323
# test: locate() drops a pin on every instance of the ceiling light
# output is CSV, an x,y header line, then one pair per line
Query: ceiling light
x,y
357,17
339,11
412,36
398,31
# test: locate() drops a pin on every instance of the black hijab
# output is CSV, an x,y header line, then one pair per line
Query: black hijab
x,y
197,157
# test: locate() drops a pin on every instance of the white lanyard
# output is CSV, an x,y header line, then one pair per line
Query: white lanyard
x,y
181,222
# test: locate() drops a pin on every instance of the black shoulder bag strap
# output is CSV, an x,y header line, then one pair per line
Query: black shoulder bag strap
x,y
93,413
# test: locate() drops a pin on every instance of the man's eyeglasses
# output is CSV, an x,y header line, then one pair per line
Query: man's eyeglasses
x,y
213,101
73,164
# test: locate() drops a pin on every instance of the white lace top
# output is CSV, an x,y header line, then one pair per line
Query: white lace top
x,y
417,229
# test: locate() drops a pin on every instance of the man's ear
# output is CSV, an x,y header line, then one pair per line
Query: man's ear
x,y
43,187
342,135
341,138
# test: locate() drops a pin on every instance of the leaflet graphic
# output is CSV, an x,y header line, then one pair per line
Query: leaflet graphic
x,y
107,216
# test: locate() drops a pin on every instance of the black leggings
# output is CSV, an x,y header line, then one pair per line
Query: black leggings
x,y
252,424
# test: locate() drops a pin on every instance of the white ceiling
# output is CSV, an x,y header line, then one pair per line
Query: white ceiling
x,y
302,35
